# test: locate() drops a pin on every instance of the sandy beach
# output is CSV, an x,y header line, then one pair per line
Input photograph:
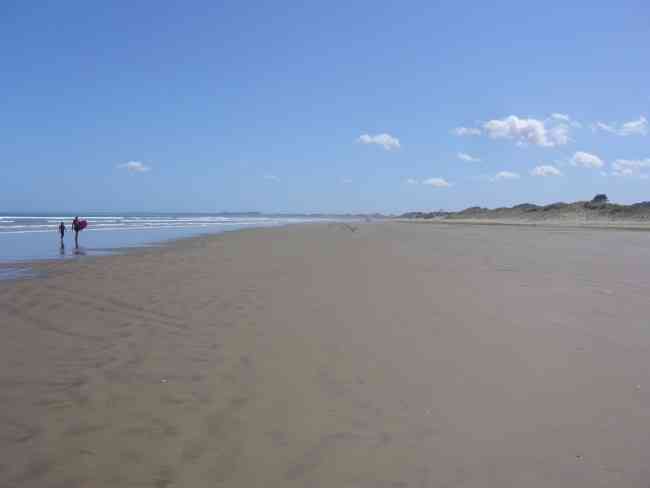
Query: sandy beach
x,y
328,355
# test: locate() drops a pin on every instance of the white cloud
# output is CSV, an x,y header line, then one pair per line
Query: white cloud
x,y
466,131
559,134
467,157
135,167
633,127
565,119
604,127
387,141
270,177
586,160
436,182
630,167
505,175
527,131
412,181
545,170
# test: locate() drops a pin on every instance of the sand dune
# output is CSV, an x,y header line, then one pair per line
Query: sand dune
x,y
377,355
597,212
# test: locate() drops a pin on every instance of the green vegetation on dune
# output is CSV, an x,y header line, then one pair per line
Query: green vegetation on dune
x,y
597,209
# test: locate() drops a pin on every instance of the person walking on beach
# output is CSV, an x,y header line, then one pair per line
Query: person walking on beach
x,y
62,231
76,229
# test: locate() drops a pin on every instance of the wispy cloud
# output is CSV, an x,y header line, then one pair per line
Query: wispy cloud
x,y
436,182
346,181
505,175
134,167
565,119
637,127
466,131
586,160
545,170
270,177
387,141
527,131
412,181
467,157
603,126
631,167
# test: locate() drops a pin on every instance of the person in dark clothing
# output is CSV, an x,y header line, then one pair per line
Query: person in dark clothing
x,y
75,228
62,231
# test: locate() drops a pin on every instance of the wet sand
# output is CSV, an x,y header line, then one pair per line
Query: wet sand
x,y
378,355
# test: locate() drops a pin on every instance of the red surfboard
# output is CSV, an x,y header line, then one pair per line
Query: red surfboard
x,y
83,224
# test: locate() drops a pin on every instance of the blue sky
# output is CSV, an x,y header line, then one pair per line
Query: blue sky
x,y
321,106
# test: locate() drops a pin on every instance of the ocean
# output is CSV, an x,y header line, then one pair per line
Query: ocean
x,y
35,237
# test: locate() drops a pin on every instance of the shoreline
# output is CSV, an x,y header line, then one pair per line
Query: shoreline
x,y
31,268
34,264
32,238
382,354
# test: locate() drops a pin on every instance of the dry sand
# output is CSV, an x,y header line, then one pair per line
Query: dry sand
x,y
397,355
619,224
